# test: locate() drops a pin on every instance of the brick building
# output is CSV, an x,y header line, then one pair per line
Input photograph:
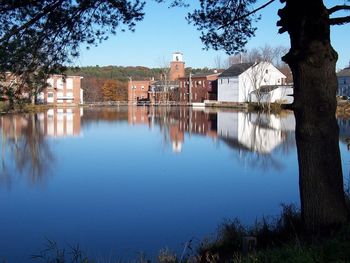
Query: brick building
x,y
138,90
164,89
203,87
63,90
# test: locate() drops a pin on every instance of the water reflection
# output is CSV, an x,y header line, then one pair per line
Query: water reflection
x,y
246,132
212,165
24,148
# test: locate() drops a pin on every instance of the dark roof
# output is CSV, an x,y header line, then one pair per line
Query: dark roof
x,y
236,70
344,73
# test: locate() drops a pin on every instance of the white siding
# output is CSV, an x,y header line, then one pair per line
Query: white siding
x,y
228,89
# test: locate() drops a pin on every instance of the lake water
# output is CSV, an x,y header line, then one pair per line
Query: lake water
x,y
120,181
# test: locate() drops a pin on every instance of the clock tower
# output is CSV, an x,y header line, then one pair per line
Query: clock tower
x,y
177,67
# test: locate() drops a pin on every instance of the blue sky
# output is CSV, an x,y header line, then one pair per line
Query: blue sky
x,y
165,30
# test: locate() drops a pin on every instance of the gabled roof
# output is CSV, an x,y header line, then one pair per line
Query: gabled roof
x,y
236,70
344,73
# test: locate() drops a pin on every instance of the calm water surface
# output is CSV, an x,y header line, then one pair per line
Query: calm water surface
x,y
119,181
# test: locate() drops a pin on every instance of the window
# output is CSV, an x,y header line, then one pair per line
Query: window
x,y
195,96
133,87
267,71
60,83
176,67
228,80
220,81
142,87
50,94
50,81
69,83
70,94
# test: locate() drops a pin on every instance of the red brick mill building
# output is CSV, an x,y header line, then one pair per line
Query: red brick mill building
x,y
176,86
198,88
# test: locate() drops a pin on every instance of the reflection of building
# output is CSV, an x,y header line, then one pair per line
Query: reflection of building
x,y
177,137
12,126
255,132
191,122
61,122
203,87
54,122
138,115
63,90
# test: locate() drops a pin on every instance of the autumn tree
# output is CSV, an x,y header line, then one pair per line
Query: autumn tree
x,y
114,90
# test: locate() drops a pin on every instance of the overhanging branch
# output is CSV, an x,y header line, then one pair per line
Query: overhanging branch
x,y
248,14
339,20
338,8
32,21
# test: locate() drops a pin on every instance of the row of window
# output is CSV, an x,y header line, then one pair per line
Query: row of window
x,y
134,87
60,83
185,96
195,84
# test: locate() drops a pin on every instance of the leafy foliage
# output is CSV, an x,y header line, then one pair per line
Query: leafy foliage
x,y
48,33
114,90
224,24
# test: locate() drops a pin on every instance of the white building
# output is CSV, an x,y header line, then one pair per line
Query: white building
x,y
344,82
243,82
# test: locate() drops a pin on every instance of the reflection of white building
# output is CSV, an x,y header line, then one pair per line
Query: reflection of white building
x,y
256,132
61,122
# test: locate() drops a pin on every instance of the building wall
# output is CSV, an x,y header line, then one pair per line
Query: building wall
x,y
177,70
138,89
63,91
344,86
238,89
228,89
177,67
203,88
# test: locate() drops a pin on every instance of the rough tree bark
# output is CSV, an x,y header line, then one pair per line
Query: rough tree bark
x,y
312,60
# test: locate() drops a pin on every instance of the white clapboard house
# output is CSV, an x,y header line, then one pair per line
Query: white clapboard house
x,y
253,82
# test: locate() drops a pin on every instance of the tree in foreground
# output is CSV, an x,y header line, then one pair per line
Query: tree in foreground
x,y
229,25
57,28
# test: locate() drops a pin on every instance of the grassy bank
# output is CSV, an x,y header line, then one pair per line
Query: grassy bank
x,y
280,239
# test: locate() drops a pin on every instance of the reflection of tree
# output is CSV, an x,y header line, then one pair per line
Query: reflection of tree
x,y
24,143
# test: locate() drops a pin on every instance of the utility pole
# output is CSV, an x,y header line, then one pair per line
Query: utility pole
x,y
190,89
132,90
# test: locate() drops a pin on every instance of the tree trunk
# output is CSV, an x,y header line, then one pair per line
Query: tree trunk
x,y
312,61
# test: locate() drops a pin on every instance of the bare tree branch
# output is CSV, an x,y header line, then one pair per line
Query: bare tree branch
x,y
338,8
248,14
339,20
